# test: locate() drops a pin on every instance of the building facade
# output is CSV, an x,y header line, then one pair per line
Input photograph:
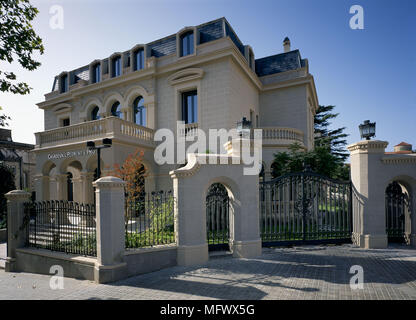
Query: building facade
x,y
19,158
202,75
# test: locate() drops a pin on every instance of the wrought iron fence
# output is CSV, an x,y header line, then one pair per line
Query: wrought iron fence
x,y
305,207
64,226
3,219
149,220
217,213
397,214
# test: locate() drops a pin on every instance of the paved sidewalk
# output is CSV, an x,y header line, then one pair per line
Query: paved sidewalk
x,y
309,272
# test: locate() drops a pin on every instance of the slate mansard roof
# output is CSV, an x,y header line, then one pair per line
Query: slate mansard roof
x,y
209,31
279,63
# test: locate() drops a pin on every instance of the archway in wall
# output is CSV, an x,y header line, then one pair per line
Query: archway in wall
x,y
73,185
397,206
218,217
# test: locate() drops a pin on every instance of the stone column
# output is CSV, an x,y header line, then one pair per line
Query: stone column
x,y
61,186
369,223
151,115
77,190
41,187
16,232
87,188
110,265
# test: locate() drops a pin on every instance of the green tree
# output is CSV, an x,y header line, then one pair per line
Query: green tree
x,y
18,41
3,120
324,136
6,185
320,160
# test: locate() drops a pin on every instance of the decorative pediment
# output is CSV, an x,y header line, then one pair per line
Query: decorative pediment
x,y
62,108
185,75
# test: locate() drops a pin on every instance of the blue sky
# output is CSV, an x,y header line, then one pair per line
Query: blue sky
x,y
367,74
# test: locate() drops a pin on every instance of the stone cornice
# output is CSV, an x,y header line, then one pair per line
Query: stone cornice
x,y
196,160
368,146
401,159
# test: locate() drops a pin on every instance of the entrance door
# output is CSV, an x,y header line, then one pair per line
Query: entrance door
x,y
217,209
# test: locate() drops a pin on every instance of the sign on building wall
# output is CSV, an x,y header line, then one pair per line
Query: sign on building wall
x,y
69,154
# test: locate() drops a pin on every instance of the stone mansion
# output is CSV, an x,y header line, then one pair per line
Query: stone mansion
x,y
203,75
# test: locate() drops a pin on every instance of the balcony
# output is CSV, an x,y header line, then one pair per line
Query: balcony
x,y
111,127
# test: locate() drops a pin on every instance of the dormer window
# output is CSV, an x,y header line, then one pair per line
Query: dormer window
x,y
139,59
116,65
64,83
96,73
187,43
250,59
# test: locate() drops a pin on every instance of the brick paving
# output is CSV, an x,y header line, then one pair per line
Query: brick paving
x,y
308,272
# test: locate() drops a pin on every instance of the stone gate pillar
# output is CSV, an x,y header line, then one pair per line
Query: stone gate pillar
x,y
110,265
16,231
369,226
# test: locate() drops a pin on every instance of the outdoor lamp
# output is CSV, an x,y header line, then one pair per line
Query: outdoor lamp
x,y
367,129
243,128
91,144
106,144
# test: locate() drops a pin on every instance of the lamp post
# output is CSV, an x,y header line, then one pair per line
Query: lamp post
x,y
243,127
106,144
367,129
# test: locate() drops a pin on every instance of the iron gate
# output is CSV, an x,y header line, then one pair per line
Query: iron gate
x,y
397,212
217,210
305,207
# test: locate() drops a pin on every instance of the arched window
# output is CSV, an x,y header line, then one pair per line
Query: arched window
x,y
95,113
116,110
139,112
187,43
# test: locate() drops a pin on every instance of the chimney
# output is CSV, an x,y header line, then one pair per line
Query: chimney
x,y
286,45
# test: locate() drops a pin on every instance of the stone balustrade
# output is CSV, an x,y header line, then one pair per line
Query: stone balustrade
x,y
111,127
276,133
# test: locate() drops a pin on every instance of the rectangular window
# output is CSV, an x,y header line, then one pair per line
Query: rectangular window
x,y
96,73
116,67
190,107
64,83
65,122
140,59
187,44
